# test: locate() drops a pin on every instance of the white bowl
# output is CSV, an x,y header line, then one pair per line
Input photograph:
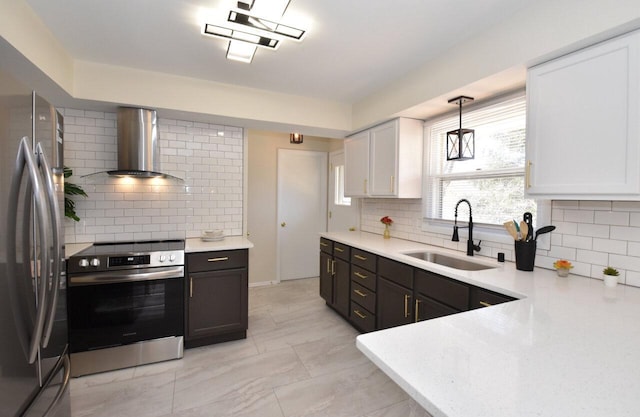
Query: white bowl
x,y
212,233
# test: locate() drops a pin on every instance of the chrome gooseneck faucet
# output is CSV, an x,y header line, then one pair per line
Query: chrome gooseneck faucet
x,y
470,245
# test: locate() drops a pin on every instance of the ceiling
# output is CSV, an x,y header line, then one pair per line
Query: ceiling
x,y
352,48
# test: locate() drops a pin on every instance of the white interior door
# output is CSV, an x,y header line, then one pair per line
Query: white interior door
x,y
302,211
343,211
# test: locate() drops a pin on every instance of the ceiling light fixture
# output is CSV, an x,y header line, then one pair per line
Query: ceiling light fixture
x,y
461,142
259,31
295,138
265,25
232,34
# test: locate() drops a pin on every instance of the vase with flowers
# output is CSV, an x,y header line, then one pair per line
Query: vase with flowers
x,y
563,267
386,220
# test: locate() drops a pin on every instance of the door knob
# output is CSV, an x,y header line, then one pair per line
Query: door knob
x,y
283,224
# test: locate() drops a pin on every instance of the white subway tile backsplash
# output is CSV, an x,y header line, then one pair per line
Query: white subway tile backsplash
x,y
591,234
610,246
619,218
118,209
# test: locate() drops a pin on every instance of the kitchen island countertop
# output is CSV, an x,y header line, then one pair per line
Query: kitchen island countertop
x,y
568,346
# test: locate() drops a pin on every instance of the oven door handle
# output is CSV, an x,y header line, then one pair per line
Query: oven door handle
x,y
126,276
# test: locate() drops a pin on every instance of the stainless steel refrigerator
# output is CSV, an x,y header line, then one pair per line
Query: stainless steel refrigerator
x,y
34,362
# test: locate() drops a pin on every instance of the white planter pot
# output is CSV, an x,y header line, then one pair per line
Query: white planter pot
x,y
610,280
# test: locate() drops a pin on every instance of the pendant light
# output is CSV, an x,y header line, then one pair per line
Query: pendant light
x,y
461,142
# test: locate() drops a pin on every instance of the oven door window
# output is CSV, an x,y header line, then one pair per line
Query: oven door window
x,y
116,314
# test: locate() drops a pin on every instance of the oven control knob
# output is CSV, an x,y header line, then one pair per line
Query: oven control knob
x,y
83,263
95,262
172,257
163,258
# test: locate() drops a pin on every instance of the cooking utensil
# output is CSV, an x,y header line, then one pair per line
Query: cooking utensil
x,y
511,228
528,219
518,234
524,230
543,230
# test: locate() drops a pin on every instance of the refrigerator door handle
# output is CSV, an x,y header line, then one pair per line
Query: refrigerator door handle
x,y
25,162
54,212
64,387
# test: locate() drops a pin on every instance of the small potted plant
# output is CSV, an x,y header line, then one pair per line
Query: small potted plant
x,y
610,276
563,267
386,220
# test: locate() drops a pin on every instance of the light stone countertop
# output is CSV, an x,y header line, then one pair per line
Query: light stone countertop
x,y
228,243
71,249
567,347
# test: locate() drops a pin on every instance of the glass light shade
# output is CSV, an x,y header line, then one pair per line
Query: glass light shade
x,y
295,138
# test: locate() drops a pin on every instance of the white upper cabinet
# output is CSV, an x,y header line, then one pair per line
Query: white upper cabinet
x,y
583,123
385,161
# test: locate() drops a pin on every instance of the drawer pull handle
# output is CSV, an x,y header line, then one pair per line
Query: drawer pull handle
x,y
225,258
328,266
190,287
360,293
362,258
406,305
338,249
359,275
485,304
323,244
417,314
333,267
359,314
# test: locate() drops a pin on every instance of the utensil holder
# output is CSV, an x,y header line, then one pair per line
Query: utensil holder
x,y
525,255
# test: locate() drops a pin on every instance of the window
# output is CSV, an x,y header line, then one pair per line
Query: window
x,y
493,181
339,198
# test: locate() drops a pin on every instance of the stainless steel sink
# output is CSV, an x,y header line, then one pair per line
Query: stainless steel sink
x,y
451,262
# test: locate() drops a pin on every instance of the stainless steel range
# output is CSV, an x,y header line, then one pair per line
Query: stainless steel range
x,y
125,305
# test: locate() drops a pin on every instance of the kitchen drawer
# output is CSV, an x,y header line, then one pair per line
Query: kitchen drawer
x,y
217,260
363,296
362,318
397,272
485,298
341,251
444,290
326,246
363,259
363,277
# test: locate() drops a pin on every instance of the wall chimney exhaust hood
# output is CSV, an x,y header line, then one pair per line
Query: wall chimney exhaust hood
x,y
137,143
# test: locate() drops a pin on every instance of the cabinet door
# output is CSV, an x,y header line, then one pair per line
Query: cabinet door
x,y
356,165
394,304
426,309
485,298
326,277
341,286
384,158
217,302
583,123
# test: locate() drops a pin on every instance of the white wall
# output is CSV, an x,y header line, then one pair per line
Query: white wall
x,y
591,234
209,158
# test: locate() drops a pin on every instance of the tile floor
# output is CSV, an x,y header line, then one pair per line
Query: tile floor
x,y
299,359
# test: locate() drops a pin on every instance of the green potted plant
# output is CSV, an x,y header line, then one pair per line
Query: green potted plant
x,y
71,189
610,276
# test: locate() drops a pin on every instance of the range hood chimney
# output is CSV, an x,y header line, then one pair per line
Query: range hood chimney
x,y
137,148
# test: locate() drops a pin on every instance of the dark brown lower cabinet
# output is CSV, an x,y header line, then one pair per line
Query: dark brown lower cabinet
x,y
425,309
394,304
341,286
217,297
326,277
485,298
